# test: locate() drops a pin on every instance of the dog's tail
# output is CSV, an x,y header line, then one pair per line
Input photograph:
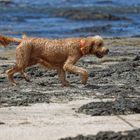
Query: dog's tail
x,y
4,40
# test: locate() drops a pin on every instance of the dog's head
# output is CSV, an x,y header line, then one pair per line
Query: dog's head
x,y
94,45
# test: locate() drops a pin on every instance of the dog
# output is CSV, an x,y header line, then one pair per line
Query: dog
x,y
59,54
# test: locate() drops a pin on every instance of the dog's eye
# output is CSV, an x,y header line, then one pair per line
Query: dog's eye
x,y
100,44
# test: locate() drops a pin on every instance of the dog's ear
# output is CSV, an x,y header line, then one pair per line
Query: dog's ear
x,y
86,46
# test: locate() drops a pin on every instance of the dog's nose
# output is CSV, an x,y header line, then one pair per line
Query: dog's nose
x,y
107,51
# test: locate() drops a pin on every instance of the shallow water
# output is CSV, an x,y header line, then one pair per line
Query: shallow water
x,y
66,18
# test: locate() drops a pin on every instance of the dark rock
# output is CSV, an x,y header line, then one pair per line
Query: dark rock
x,y
137,58
3,58
118,107
2,123
6,2
45,86
109,135
94,29
86,14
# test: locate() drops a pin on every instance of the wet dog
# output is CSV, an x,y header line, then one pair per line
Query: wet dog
x,y
59,54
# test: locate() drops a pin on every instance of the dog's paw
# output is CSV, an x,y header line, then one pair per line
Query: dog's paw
x,y
14,84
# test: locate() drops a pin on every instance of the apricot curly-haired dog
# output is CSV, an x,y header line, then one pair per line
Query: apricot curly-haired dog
x,y
60,54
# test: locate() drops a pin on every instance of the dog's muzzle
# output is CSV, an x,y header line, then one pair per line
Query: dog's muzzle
x,y
100,55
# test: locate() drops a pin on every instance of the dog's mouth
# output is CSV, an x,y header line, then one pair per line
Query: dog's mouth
x,y
99,55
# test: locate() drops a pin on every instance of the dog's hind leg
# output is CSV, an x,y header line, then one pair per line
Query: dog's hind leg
x,y
22,61
23,53
10,74
25,76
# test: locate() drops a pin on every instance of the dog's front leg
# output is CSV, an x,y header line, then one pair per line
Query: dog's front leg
x,y
62,77
69,66
61,72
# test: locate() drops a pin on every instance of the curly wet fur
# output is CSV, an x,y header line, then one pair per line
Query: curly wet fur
x,y
60,54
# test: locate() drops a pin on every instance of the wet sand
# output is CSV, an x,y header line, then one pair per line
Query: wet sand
x,y
113,89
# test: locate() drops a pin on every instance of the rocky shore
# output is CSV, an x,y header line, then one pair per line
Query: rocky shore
x,y
113,84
